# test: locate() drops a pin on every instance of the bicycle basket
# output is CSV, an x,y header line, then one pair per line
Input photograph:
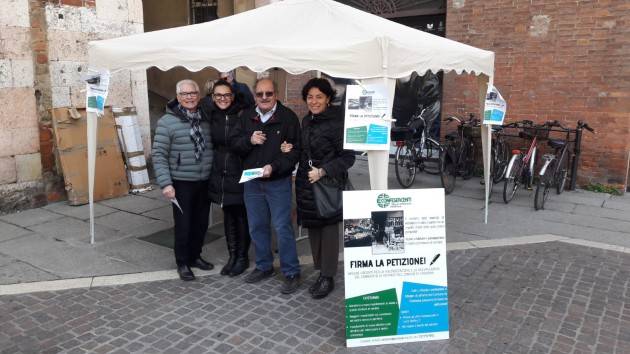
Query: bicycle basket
x,y
471,131
401,133
537,132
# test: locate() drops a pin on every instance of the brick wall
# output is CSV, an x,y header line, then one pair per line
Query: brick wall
x,y
564,60
294,92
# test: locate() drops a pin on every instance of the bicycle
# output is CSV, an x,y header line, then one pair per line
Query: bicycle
x,y
555,168
416,150
457,157
520,169
499,154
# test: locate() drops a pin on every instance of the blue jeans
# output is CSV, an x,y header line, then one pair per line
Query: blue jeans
x,y
270,202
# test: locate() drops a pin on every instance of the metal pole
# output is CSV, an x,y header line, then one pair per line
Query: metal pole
x,y
576,155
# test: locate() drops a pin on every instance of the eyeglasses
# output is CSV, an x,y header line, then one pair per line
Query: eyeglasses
x,y
264,94
225,96
189,94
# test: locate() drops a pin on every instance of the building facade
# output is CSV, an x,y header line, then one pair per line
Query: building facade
x,y
555,59
43,53
564,60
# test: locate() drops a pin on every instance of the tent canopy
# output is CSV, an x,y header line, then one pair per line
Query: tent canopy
x,y
298,36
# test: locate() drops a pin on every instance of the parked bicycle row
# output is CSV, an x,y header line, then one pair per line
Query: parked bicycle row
x,y
520,167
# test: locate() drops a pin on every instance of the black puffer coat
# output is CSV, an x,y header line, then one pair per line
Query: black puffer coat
x,y
324,135
227,166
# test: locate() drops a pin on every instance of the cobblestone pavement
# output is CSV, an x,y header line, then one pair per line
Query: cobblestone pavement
x,y
541,298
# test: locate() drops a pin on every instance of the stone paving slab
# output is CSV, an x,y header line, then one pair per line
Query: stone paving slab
x,y
74,231
541,298
81,212
122,221
618,203
164,213
18,271
64,260
610,214
30,217
146,256
9,231
136,204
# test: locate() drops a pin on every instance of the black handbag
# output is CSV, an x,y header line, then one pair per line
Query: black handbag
x,y
328,191
328,195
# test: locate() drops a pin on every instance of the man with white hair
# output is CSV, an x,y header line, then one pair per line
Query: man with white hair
x,y
182,157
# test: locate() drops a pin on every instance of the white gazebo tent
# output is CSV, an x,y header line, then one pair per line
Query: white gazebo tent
x,y
300,36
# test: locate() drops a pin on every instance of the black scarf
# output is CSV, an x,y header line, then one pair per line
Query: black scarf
x,y
194,118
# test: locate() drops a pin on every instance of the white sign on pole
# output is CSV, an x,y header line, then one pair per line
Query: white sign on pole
x,y
367,120
495,107
395,266
96,91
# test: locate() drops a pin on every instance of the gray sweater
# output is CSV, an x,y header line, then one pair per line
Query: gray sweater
x,y
173,151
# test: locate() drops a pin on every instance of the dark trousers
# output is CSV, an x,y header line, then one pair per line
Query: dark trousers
x,y
325,248
192,225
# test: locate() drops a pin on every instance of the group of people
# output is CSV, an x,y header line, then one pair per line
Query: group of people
x,y
203,144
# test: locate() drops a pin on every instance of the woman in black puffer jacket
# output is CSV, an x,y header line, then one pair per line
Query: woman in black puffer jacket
x,y
322,145
223,108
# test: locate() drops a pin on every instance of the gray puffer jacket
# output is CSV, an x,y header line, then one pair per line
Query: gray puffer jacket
x,y
173,151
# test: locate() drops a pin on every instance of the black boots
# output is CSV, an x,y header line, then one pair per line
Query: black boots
x,y
242,255
322,287
237,238
230,239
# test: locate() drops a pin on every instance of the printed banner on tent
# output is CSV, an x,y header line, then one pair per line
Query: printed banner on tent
x,y
367,118
395,266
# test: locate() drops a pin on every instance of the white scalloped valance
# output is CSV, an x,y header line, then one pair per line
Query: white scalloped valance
x,y
297,36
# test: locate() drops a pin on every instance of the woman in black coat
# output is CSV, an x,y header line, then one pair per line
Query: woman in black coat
x,y
224,109
322,154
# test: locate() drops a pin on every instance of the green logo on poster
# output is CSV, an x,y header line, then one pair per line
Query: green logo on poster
x,y
382,200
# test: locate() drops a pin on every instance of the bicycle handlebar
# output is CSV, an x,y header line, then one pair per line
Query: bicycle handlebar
x,y
555,123
581,124
453,118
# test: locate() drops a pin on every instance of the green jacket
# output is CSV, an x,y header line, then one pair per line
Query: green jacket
x,y
173,151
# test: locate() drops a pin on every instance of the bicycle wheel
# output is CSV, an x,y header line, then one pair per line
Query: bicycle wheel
x,y
512,178
468,157
431,157
562,170
448,170
543,186
500,157
405,165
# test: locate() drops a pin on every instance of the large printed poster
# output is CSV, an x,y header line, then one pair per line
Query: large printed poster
x,y
367,120
395,266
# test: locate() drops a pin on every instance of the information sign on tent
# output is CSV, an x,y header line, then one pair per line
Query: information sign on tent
x,y
366,122
395,266
494,108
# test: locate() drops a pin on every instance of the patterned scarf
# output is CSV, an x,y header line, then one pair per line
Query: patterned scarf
x,y
194,118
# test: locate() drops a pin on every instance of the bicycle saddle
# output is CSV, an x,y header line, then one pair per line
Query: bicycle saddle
x,y
556,143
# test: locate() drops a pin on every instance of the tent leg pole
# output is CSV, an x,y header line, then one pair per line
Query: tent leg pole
x,y
378,160
92,127
486,140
